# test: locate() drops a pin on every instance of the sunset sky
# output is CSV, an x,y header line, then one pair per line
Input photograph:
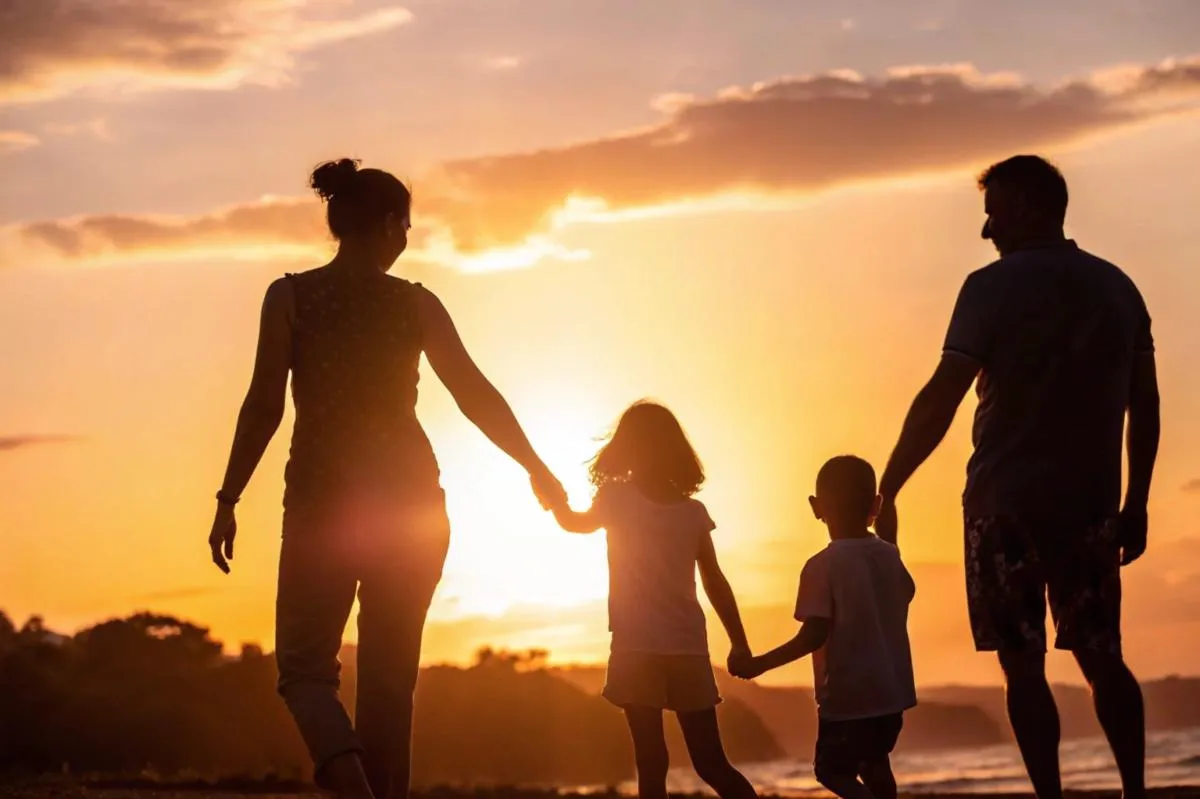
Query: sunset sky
x,y
756,211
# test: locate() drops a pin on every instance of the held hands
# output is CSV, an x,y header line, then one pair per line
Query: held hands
x,y
220,540
548,490
742,664
887,525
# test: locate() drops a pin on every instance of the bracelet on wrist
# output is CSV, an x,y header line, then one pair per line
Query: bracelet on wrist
x,y
226,499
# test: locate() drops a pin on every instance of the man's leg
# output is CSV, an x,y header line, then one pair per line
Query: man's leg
x,y
1085,599
1006,599
1034,719
1118,700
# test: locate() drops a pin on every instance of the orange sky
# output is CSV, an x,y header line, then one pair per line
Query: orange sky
x,y
607,219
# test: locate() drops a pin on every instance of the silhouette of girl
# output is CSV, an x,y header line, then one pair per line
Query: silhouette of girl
x,y
363,508
658,534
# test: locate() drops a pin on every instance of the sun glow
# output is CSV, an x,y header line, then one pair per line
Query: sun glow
x,y
507,552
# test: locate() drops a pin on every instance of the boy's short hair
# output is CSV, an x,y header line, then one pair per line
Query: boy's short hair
x,y
847,483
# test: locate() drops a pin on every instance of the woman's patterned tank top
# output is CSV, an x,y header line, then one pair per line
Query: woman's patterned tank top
x,y
356,350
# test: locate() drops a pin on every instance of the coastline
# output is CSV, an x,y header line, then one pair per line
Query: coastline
x,y
65,788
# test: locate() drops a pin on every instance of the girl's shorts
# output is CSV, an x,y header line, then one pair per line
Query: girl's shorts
x,y
682,683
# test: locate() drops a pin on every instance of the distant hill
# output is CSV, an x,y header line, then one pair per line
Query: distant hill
x,y
1171,703
939,722
154,692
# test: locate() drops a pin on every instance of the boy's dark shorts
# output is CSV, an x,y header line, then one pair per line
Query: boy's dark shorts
x,y
843,746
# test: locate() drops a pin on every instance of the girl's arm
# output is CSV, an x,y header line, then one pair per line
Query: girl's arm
x,y
261,413
478,399
573,521
721,595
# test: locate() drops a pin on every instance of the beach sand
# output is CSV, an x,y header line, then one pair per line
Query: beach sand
x,y
62,789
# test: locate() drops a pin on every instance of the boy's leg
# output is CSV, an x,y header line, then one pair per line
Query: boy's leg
x,y
877,775
650,751
703,738
876,766
838,759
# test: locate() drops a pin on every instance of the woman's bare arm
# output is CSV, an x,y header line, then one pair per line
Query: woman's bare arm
x,y
261,413
262,410
574,521
477,398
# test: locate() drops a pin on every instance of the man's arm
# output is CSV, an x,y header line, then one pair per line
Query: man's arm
x,y
1142,446
928,419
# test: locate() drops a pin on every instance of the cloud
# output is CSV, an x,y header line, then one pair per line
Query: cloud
x,y
49,48
502,63
789,136
9,443
800,135
14,141
272,226
96,127
1191,486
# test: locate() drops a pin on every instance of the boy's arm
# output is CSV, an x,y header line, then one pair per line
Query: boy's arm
x,y
720,594
814,632
814,609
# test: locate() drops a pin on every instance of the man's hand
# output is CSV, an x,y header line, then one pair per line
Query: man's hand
x,y
220,540
1132,527
887,524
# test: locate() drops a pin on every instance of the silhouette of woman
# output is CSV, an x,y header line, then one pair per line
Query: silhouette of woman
x,y
363,508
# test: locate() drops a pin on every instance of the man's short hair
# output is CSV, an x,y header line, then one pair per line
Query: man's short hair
x,y
1035,178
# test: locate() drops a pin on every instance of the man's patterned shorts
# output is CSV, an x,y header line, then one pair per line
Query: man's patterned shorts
x,y
1013,565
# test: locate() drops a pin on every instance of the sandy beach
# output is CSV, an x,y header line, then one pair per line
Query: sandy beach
x,y
67,789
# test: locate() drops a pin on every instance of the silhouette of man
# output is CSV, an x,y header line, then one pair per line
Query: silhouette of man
x,y
1060,341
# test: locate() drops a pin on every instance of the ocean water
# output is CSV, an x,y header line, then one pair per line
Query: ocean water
x,y
1172,759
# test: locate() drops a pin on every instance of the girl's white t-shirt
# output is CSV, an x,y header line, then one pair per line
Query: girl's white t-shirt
x,y
652,551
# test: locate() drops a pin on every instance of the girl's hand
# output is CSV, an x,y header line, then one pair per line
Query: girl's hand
x,y
741,664
220,540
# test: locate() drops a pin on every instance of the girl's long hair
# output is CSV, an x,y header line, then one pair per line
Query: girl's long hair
x,y
648,447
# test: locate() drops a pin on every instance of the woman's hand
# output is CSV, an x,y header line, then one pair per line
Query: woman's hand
x,y
220,540
547,488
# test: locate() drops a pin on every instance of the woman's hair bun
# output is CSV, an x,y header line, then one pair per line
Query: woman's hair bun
x,y
334,177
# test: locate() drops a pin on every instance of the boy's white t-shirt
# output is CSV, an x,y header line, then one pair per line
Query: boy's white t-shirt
x,y
865,668
652,551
